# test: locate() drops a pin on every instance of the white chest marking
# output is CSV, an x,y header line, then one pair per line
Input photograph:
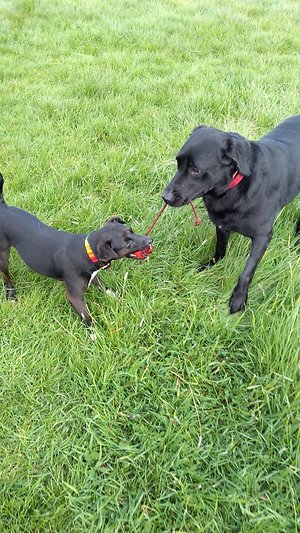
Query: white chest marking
x,y
93,275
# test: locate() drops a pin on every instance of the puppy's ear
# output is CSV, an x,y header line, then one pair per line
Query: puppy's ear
x,y
105,251
116,219
238,149
198,128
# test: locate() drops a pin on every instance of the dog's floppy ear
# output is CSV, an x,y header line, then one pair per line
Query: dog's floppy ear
x,y
116,219
238,149
198,128
105,251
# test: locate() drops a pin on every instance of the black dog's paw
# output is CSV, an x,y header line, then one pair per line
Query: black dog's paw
x,y
237,303
204,266
11,295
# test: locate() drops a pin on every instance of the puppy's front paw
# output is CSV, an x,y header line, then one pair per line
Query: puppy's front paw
x,y
110,293
11,295
237,302
204,266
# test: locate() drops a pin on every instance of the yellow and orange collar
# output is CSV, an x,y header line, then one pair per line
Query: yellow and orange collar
x,y
90,252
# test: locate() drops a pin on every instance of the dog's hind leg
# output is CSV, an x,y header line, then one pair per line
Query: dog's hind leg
x,y
76,288
240,293
4,257
221,246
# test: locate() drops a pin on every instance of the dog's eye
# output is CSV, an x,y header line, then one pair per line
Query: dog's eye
x,y
195,170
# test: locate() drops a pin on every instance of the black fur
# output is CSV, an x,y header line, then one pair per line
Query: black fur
x,y
62,255
271,166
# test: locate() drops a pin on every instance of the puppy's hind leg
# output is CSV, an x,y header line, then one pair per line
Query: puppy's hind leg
x,y
221,246
4,257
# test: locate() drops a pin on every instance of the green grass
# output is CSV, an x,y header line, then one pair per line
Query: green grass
x,y
179,417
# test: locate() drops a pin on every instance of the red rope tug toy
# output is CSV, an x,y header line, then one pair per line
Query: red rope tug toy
x,y
143,254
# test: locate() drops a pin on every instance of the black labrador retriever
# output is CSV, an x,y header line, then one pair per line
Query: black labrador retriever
x,y
73,258
244,184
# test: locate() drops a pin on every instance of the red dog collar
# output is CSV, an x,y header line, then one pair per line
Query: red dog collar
x,y
235,180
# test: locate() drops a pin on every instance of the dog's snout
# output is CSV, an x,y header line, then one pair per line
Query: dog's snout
x,y
172,198
168,197
149,241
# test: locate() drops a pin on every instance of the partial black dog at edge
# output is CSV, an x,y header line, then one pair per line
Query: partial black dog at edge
x,y
73,258
244,184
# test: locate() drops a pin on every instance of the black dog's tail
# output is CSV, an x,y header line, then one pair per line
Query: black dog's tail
x,y
2,201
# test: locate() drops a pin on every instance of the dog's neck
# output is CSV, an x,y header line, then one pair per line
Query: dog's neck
x,y
235,180
222,191
99,263
225,199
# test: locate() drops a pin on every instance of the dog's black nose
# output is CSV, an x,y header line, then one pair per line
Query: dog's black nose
x,y
168,197
149,241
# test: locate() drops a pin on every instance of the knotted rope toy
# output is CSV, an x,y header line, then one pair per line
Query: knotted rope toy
x,y
143,254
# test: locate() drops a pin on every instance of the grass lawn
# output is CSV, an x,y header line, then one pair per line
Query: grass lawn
x,y
179,417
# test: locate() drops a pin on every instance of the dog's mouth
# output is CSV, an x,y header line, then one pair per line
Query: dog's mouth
x,y
175,199
141,255
198,195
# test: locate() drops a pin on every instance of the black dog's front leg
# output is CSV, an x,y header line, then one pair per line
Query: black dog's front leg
x,y
240,293
221,246
76,288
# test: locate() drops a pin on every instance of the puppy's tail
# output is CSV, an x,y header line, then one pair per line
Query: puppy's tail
x,y
2,201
